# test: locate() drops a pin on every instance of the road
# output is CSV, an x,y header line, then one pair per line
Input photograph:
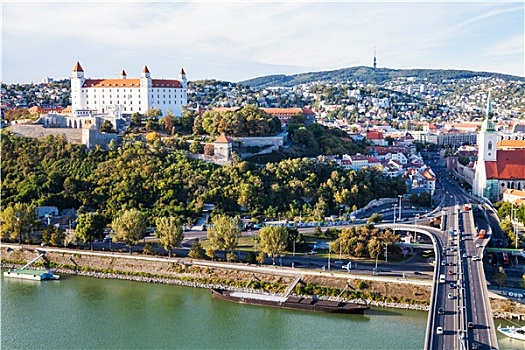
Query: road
x,y
463,297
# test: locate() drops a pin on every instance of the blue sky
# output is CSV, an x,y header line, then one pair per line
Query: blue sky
x,y
235,41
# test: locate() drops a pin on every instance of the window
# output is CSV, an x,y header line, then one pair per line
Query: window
x,y
490,145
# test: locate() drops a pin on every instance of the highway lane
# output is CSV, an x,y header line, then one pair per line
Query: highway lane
x,y
472,304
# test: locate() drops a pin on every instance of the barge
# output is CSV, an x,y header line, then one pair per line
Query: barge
x,y
292,302
35,275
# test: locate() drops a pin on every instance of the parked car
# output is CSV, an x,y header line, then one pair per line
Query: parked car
x,y
439,330
450,296
441,311
470,325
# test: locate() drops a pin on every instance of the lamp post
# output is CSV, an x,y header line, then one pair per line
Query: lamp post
x,y
400,196
19,231
328,258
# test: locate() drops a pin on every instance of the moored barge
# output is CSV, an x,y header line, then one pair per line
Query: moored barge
x,y
292,302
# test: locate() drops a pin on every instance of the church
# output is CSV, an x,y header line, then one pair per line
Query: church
x,y
500,164
125,96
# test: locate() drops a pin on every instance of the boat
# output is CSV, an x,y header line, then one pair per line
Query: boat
x,y
35,275
513,332
291,302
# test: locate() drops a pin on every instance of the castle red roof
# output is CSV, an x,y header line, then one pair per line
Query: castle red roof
x,y
108,83
78,68
509,166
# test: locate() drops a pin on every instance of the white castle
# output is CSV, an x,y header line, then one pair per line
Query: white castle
x,y
125,96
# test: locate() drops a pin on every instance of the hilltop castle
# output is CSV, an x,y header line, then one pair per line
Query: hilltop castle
x,y
126,96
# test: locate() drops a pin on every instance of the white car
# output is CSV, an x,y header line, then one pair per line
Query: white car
x,y
478,245
474,258
439,330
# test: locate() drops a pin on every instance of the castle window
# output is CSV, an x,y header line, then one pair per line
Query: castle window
x,y
490,145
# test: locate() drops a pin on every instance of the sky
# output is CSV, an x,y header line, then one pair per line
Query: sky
x,y
236,41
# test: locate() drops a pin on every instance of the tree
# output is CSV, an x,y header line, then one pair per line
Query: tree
x,y
18,219
211,253
196,147
272,240
169,231
129,227
260,258
209,149
168,122
90,226
136,119
107,127
196,250
53,236
224,233
153,114
375,218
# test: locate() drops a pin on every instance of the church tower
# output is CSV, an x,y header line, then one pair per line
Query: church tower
x,y
488,137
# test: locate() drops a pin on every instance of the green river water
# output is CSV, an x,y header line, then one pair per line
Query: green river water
x,y
88,313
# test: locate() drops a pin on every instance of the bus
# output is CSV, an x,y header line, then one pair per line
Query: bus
x,y
428,253
506,260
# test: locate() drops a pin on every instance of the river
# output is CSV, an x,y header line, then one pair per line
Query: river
x,y
88,313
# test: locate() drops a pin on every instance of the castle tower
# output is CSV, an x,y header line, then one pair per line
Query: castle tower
x,y
77,81
182,77
123,74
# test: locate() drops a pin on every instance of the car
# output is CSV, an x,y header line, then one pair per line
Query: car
x,y
451,296
417,273
450,272
465,255
452,285
441,311
470,325
478,245
443,262
475,346
451,264
439,330
475,258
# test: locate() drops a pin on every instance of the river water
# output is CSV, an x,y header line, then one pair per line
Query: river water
x,y
88,313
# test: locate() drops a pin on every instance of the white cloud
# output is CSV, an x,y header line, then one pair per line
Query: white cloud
x,y
235,40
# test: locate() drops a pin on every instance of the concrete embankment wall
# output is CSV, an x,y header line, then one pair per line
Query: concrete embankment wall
x,y
207,274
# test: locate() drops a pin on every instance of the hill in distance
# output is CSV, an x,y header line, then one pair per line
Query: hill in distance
x,y
368,75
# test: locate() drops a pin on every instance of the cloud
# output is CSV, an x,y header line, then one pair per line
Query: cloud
x,y
237,40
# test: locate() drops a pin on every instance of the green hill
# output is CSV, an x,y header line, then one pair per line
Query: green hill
x,y
368,75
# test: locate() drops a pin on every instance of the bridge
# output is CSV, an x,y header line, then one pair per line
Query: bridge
x,y
460,315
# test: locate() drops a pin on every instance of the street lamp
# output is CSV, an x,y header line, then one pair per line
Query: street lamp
x,y
19,231
400,196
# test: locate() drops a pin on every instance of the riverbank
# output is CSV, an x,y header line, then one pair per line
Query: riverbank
x,y
185,272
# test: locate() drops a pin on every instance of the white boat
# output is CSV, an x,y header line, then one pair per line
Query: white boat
x,y
513,332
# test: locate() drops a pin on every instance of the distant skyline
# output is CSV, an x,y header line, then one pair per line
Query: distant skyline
x,y
236,41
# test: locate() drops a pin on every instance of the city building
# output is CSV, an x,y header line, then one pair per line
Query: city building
x,y
497,170
125,96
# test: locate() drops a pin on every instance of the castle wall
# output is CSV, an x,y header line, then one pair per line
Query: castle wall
x,y
38,131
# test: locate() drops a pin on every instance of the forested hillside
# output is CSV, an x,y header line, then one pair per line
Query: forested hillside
x,y
163,181
368,75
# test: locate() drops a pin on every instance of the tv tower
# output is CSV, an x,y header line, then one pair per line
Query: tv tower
x,y
375,60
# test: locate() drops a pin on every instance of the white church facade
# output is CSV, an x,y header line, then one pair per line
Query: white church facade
x,y
125,96
497,168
